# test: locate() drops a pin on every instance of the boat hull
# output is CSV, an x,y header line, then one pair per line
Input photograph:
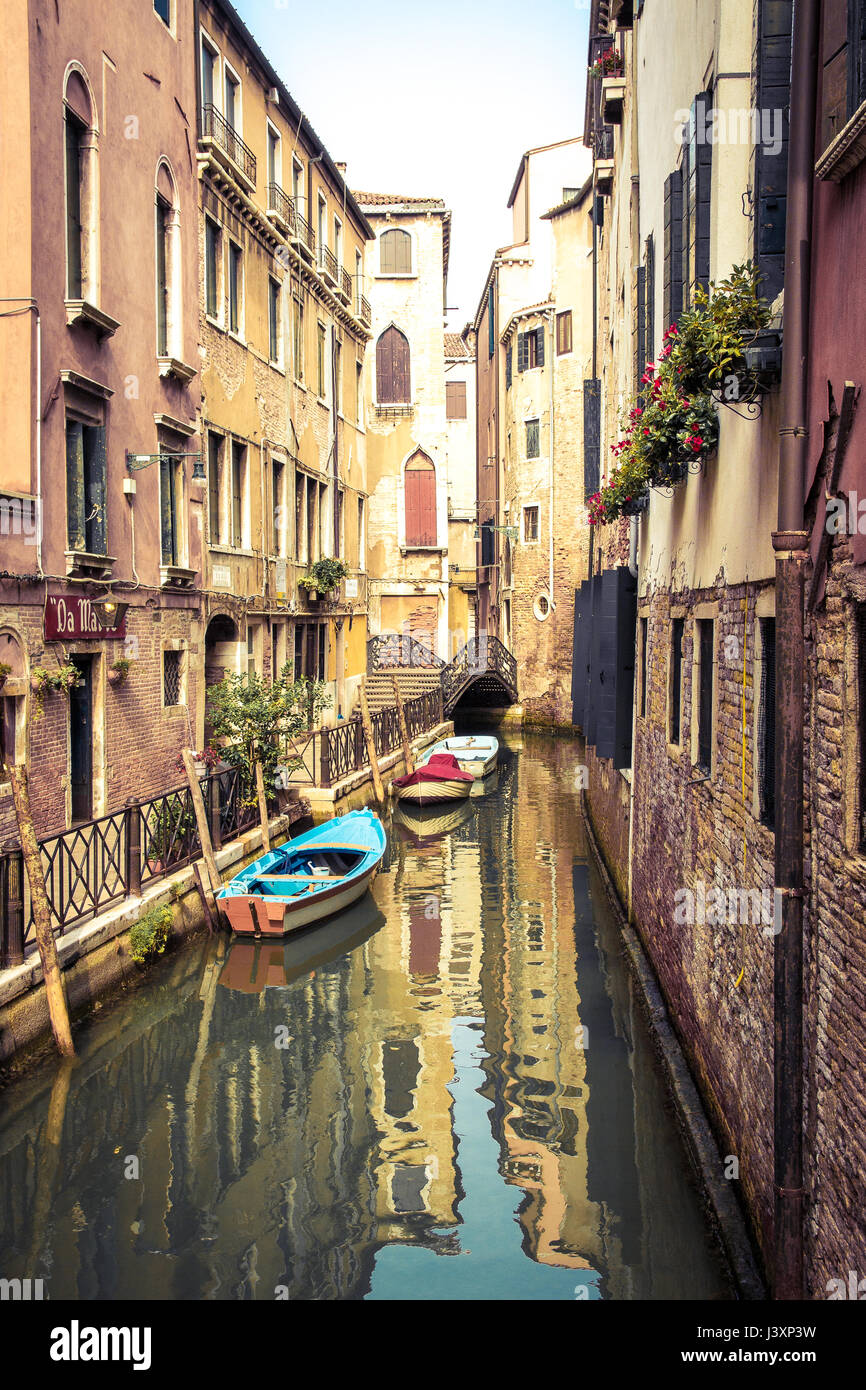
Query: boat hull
x,y
432,792
479,761
251,914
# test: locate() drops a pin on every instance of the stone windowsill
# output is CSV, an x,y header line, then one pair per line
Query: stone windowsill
x,y
176,577
81,312
846,151
173,366
81,564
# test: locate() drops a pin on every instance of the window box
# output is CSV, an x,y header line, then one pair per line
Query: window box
x,y
763,354
86,315
636,505
176,577
612,98
81,564
172,366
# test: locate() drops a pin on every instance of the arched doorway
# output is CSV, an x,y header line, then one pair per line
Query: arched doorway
x,y
220,657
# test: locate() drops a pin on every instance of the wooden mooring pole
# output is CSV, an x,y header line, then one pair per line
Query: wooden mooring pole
x,y
404,727
367,726
203,824
263,807
54,989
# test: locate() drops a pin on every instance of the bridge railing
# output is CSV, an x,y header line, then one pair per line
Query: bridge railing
x,y
482,655
391,650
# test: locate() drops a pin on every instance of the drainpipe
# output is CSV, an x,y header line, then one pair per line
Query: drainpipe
x,y
551,315
790,543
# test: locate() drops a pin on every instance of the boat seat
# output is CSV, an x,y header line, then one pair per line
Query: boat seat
x,y
293,878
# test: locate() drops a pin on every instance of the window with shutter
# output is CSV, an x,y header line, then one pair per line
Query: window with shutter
x,y
649,300
522,354
775,22
563,332
238,481
420,497
591,436
672,290
162,214
676,679
392,368
85,487
539,347
696,182
395,252
214,486
212,244
455,400
705,644
491,321
508,361
75,132
639,328
533,439
168,502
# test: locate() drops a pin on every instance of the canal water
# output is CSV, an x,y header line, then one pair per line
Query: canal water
x,y
448,1093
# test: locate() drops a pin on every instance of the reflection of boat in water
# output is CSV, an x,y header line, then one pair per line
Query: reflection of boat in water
x,y
486,786
423,823
476,753
307,879
256,964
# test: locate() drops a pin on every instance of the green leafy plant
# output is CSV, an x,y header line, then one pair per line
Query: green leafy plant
x,y
256,717
675,420
324,575
118,670
149,935
65,678
169,824
5,672
607,64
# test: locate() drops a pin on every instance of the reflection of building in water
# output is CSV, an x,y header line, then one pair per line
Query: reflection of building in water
x,y
424,975
540,1080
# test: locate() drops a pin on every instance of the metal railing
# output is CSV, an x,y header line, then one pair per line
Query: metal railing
x,y
214,126
345,284
363,309
280,205
305,234
391,650
482,656
328,261
326,756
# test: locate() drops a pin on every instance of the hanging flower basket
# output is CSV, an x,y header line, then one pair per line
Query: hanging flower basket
x,y
607,64
5,673
635,505
118,671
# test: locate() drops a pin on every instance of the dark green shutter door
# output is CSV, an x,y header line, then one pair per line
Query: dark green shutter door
x,y
491,321
614,648
508,367
580,652
521,352
166,509
591,436
640,328
775,21
539,346
649,301
75,485
703,175
673,250
95,481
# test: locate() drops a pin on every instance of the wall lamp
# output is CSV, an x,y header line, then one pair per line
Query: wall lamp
x,y
135,462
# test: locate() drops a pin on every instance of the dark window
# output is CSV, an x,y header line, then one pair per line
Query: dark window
x,y
639,328
8,710
274,320
530,523
163,9
75,131
861,657
563,332
844,58
775,19
455,400
491,321
533,443
169,503
171,678
85,487
392,367
488,544
508,368
644,636
676,691
214,485
420,485
278,506
673,250
163,212
211,272
322,632
706,655
591,436
530,349
238,465
234,287
649,300
395,252
767,722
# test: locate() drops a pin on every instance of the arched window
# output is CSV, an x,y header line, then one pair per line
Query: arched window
x,y
169,317
82,199
392,368
395,252
420,492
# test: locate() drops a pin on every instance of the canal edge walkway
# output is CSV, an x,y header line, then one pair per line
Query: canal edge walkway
x,y
725,1210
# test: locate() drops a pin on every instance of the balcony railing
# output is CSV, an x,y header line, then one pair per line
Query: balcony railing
x,y
345,285
328,263
362,309
281,207
215,127
305,234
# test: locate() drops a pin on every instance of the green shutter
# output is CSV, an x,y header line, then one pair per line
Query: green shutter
x,y
168,519
75,485
94,488
491,321
539,346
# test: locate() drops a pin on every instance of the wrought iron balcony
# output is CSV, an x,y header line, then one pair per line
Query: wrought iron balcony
x,y
215,127
281,208
328,263
362,309
345,286
305,235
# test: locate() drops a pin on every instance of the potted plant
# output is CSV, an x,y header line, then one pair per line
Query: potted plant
x,y
118,670
322,577
607,64
169,828
5,672
204,762
65,678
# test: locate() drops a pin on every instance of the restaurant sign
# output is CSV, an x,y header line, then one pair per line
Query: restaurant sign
x,y
70,618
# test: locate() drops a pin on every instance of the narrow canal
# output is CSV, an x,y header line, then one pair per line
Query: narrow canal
x,y
448,1093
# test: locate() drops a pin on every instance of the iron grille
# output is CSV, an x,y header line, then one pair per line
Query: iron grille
x,y
171,678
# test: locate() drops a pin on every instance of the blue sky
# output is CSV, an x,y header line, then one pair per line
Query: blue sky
x,y
437,100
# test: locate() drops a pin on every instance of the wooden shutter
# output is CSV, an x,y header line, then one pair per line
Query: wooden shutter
x,y
580,651
75,485
704,178
455,400
213,488
649,301
508,352
237,500
775,22
168,531
392,368
420,492
522,352
491,321
614,619
673,250
639,359
591,436
836,59
94,488
539,346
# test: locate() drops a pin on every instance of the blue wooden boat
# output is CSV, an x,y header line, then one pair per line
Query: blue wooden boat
x,y
320,873
476,753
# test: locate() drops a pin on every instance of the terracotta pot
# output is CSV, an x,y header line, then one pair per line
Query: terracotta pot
x,y
116,677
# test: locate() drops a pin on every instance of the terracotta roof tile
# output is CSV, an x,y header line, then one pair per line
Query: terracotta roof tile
x,y
455,346
388,199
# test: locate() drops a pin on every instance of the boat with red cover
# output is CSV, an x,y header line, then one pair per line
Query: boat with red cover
x,y
440,779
